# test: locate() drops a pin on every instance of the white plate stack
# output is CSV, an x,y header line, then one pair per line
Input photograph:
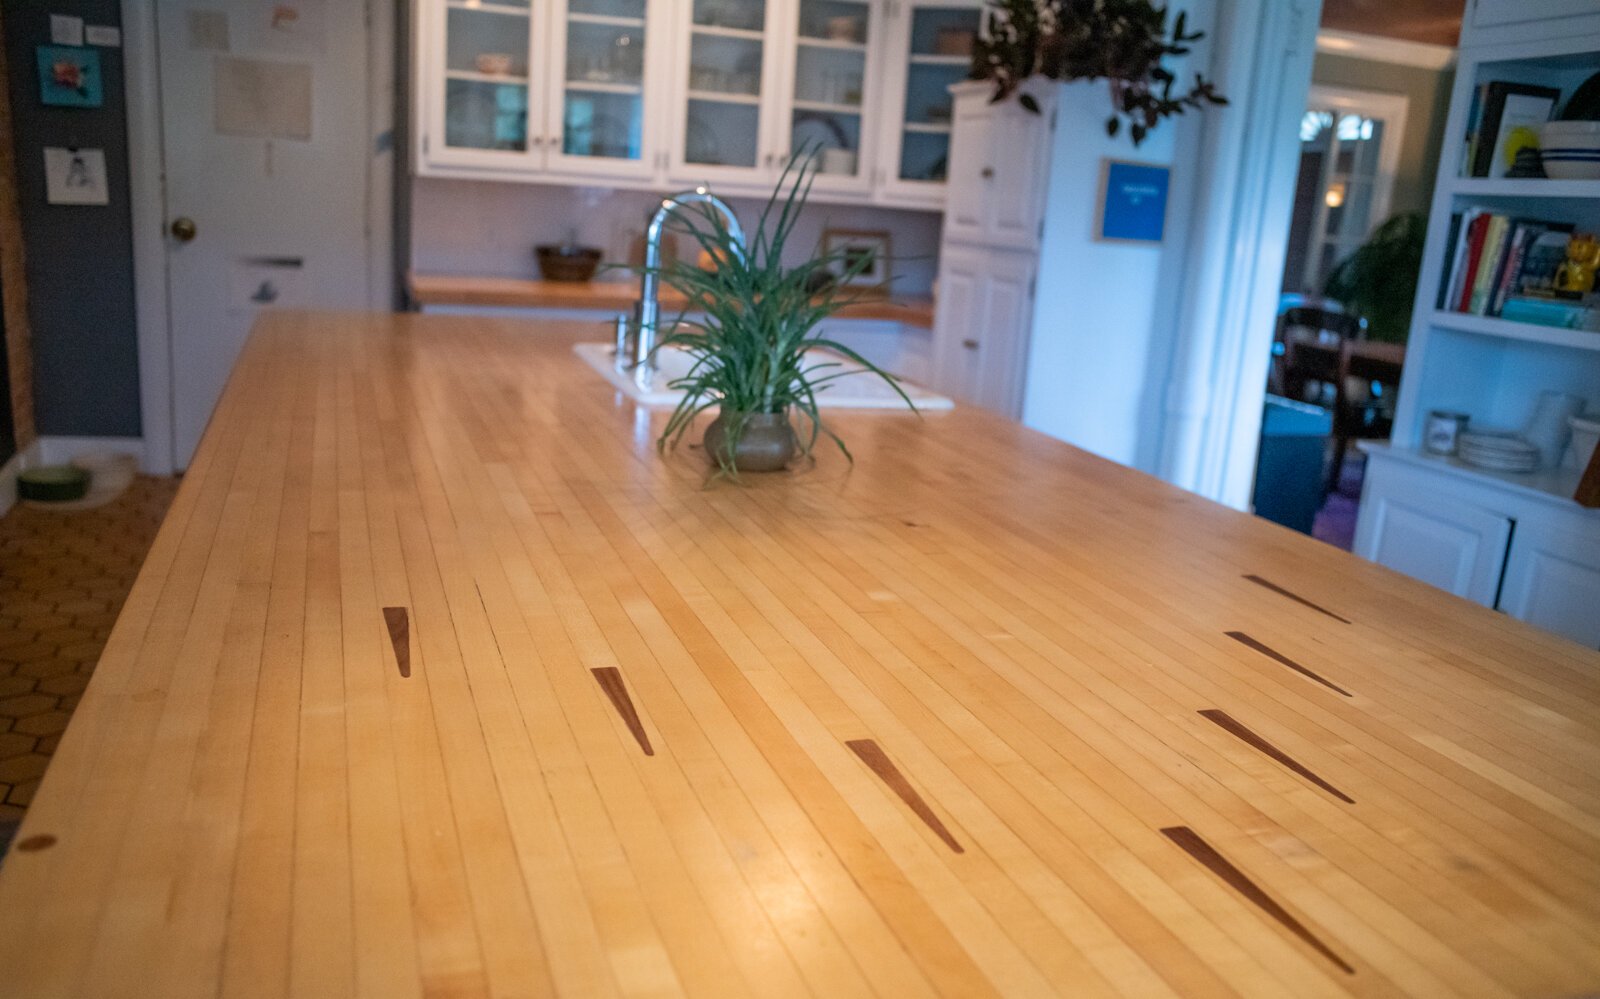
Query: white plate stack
x,y
1498,450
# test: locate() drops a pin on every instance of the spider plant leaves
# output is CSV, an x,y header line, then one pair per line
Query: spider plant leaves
x,y
751,319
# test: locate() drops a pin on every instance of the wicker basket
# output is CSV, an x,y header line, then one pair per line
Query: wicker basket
x,y
567,263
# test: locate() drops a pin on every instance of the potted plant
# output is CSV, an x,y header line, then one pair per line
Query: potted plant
x,y
756,354
1379,281
1123,41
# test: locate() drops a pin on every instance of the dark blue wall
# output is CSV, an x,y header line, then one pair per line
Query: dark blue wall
x,y
79,258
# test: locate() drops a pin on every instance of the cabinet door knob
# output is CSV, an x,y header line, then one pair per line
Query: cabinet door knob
x,y
988,173
184,229
970,344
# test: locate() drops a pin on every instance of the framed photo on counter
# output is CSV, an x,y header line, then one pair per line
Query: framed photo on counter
x,y
852,245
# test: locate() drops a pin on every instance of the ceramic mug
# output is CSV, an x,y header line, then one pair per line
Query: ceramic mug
x,y
1549,427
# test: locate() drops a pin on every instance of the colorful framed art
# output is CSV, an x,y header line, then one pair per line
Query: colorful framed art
x,y
70,77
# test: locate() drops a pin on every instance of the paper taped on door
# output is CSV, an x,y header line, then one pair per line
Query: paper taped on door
x,y
262,99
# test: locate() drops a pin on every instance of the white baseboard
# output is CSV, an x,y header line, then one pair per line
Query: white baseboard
x,y
61,450
26,458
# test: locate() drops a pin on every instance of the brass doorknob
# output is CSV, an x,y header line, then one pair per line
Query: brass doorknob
x,y
183,229
970,344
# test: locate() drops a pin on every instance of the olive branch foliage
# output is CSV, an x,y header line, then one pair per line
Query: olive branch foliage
x,y
1123,41
750,321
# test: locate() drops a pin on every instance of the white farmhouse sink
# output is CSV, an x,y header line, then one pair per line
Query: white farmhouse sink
x,y
861,391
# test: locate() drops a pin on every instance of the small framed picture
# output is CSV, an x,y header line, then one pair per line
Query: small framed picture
x,y
75,176
866,249
1133,202
70,77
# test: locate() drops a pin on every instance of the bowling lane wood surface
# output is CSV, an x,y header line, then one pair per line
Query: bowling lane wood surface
x,y
440,681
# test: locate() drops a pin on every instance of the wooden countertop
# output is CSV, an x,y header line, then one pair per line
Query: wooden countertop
x,y
614,296
985,715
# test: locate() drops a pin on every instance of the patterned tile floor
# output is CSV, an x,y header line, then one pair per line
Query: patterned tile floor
x,y
63,578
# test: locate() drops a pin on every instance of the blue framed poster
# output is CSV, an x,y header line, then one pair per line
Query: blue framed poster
x,y
1134,205
69,76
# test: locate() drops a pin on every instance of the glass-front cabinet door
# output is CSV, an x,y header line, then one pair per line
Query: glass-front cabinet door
x,y
938,39
486,106
832,89
727,83
598,120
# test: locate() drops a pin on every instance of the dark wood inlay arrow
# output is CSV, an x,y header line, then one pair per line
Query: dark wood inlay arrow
x,y
399,636
874,757
611,682
1297,598
1244,734
1276,656
42,841
1196,847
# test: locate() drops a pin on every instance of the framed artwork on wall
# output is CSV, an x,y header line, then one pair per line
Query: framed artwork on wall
x,y
855,244
70,77
1133,202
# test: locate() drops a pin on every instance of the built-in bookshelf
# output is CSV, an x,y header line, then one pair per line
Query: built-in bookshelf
x,y
1517,542
1454,351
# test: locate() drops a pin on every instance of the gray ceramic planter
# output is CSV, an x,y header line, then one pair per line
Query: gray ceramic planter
x,y
767,443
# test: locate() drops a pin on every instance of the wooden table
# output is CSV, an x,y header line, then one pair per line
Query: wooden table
x,y
439,681
618,297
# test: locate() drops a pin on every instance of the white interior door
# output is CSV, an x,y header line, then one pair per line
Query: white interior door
x,y
265,119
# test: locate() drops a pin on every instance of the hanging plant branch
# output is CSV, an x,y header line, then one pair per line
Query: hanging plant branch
x,y
1122,41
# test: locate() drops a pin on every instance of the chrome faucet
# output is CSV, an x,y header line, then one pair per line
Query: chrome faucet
x,y
646,321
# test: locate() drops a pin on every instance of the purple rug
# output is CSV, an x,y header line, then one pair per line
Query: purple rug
x,y
1336,521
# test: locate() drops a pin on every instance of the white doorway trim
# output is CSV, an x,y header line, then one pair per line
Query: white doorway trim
x,y
147,205
1377,48
1249,164
147,196
1385,107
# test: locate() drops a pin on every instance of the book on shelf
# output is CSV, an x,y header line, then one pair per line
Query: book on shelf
x,y
1510,118
1494,257
1557,312
1469,147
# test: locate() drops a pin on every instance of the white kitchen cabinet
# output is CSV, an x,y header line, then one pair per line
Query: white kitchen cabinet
x,y
599,119
726,86
1456,548
664,93
833,97
928,49
1552,579
760,81
481,79
540,88
980,333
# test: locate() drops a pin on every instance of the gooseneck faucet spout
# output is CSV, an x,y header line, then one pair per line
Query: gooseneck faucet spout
x,y
647,314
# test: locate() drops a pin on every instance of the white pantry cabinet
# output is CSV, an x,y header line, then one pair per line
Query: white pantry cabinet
x,y
667,93
997,169
980,342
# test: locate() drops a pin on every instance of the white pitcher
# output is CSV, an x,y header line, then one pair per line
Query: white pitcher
x,y
1548,428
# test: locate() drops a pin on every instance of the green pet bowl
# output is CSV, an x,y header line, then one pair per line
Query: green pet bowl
x,y
52,484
